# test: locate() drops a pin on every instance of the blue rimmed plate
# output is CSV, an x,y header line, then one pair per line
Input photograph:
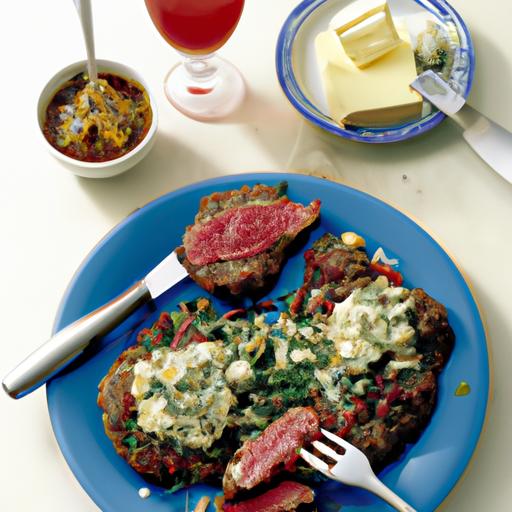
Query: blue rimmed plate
x,y
428,470
298,74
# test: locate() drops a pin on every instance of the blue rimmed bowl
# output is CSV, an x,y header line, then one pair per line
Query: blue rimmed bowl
x,y
301,81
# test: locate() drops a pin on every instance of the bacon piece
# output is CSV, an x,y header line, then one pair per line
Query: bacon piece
x,y
286,497
259,459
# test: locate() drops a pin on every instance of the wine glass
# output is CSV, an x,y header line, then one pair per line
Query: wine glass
x,y
203,86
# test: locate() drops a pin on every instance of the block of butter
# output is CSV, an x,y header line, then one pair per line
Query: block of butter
x,y
366,30
374,96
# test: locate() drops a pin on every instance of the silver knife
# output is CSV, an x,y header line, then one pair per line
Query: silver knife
x,y
71,341
490,141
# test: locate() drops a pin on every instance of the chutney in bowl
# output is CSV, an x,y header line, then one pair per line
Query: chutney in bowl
x,y
98,129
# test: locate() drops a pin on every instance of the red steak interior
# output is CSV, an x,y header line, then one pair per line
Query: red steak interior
x,y
257,460
287,496
246,231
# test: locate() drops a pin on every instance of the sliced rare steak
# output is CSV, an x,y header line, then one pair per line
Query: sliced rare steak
x,y
275,448
286,497
239,237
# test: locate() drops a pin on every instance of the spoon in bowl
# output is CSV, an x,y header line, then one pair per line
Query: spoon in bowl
x,y
85,14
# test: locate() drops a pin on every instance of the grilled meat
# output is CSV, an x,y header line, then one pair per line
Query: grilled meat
x,y
239,237
273,450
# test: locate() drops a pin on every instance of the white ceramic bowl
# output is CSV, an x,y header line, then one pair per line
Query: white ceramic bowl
x,y
97,169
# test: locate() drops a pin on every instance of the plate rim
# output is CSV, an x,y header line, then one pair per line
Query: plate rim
x,y
74,466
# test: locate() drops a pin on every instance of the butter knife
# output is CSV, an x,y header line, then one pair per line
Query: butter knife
x,y
62,348
491,142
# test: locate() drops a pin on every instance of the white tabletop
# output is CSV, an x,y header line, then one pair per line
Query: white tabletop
x,y
50,219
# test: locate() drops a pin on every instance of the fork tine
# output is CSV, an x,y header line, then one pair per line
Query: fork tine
x,y
326,450
187,507
338,440
315,462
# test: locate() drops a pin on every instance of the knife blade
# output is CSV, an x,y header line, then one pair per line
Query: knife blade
x,y
490,141
62,348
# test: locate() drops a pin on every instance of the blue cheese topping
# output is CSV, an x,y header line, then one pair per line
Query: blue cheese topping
x,y
240,376
325,378
371,321
192,399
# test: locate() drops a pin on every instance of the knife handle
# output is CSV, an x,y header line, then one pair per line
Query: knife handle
x,y
490,141
71,341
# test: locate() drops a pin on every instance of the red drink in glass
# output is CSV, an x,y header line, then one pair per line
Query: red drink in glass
x,y
195,26
203,86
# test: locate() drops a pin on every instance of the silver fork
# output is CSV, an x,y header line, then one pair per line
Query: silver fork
x,y
351,468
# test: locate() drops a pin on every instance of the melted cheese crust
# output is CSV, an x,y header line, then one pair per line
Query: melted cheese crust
x,y
370,322
187,394
192,399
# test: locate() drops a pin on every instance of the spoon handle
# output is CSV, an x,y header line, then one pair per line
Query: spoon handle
x,y
85,13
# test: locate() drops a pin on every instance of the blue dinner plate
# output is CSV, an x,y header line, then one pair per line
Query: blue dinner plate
x,y
426,472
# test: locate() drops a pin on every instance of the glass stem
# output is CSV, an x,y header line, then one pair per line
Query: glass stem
x,y
201,70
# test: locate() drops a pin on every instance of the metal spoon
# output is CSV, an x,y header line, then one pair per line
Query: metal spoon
x,y
85,14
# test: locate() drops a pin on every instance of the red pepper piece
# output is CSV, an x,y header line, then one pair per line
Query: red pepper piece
x,y
141,337
164,322
329,421
198,337
382,409
395,393
360,404
181,332
328,306
232,313
380,382
157,339
266,305
297,302
128,403
393,275
350,421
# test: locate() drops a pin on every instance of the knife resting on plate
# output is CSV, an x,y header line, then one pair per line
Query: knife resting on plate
x,y
67,344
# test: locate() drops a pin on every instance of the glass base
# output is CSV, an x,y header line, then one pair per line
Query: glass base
x,y
205,89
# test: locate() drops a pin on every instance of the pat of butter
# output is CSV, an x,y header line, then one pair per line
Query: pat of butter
x,y
374,96
366,31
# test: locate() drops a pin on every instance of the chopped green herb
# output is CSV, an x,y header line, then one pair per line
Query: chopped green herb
x,y
182,386
130,424
177,318
130,442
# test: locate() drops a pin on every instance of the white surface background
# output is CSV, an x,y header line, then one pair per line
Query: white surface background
x,y
49,219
